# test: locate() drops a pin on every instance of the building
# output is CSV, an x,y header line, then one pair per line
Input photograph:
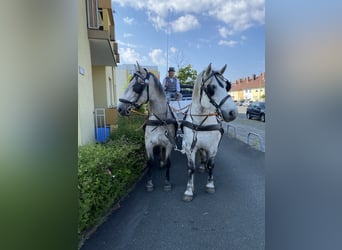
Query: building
x,y
97,58
249,89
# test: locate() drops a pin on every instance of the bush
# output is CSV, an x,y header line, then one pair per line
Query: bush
x,y
130,127
107,171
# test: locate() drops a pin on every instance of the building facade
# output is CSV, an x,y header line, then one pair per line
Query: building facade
x,y
249,88
97,58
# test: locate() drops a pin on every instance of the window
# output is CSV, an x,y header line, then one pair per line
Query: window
x,y
92,14
111,93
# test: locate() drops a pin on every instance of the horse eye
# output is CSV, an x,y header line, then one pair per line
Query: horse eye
x,y
228,85
211,90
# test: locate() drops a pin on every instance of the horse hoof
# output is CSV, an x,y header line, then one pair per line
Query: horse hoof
x,y
210,190
187,198
167,188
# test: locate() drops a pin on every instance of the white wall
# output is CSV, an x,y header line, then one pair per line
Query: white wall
x,y
86,133
121,81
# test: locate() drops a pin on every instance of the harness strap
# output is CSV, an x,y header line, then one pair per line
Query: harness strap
x,y
164,123
210,127
195,128
160,122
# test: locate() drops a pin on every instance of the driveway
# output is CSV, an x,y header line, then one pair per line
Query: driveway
x,y
231,218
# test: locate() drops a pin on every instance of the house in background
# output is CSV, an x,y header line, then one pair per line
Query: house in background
x,y
97,58
124,72
249,89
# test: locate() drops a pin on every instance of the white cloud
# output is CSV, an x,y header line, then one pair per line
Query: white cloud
x,y
128,20
129,55
173,50
224,32
125,35
229,43
157,21
157,57
238,15
185,23
121,43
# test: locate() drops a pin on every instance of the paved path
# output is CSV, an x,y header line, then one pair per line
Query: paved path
x,y
231,218
241,127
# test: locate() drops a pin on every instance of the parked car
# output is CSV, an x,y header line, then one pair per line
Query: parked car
x,y
256,110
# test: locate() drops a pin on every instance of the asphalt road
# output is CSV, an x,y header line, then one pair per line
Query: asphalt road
x,y
231,218
241,127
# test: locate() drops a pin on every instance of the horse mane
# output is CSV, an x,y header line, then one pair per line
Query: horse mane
x,y
197,87
157,85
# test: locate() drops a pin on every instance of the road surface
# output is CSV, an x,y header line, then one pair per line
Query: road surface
x,y
232,218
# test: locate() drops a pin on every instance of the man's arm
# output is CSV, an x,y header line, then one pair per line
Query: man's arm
x,y
178,89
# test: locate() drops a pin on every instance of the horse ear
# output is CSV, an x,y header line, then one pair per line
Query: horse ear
x,y
208,70
138,67
223,69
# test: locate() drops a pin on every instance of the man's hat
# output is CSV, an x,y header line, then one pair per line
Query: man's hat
x,y
172,69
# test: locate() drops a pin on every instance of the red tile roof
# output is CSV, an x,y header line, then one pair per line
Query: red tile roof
x,y
249,83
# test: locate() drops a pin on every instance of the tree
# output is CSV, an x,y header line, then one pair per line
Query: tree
x,y
187,75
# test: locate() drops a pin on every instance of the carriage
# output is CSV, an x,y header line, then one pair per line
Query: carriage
x,y
197,121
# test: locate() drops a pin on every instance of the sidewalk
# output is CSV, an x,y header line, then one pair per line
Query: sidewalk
x,y
251,132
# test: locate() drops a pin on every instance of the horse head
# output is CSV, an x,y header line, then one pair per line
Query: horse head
x,y
212,93
136,93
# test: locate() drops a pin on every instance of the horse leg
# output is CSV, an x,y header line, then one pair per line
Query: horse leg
x,y
163,157
167,185
204,160
210,188
153,159
189,192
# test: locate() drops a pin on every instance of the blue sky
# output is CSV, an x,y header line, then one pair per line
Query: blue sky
x,y
196,32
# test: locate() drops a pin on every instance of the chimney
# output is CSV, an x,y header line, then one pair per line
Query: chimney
x,y
254,76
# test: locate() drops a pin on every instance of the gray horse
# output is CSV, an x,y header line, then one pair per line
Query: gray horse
x,y
202,123
161,124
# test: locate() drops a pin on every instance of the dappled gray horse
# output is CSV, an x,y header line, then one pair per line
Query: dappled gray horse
x,y
202,124
161,124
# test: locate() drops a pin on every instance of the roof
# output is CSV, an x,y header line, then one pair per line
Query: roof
x,y
249,83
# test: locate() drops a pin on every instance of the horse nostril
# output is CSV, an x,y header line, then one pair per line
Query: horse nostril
x,y
232,113
119,110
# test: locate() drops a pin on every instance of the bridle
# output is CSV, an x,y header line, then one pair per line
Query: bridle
x,y
207,91
139,88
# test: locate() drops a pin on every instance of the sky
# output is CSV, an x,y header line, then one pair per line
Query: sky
x,y
176,33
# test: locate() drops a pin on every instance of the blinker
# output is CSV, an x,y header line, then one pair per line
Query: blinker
x,y
138,87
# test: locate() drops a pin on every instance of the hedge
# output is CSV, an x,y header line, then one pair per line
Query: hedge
x,y
107,171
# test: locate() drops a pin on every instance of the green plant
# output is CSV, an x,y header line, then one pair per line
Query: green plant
x,y
105,172
130,127
187,75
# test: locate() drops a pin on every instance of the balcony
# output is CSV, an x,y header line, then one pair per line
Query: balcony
x,y
101,33
101,50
